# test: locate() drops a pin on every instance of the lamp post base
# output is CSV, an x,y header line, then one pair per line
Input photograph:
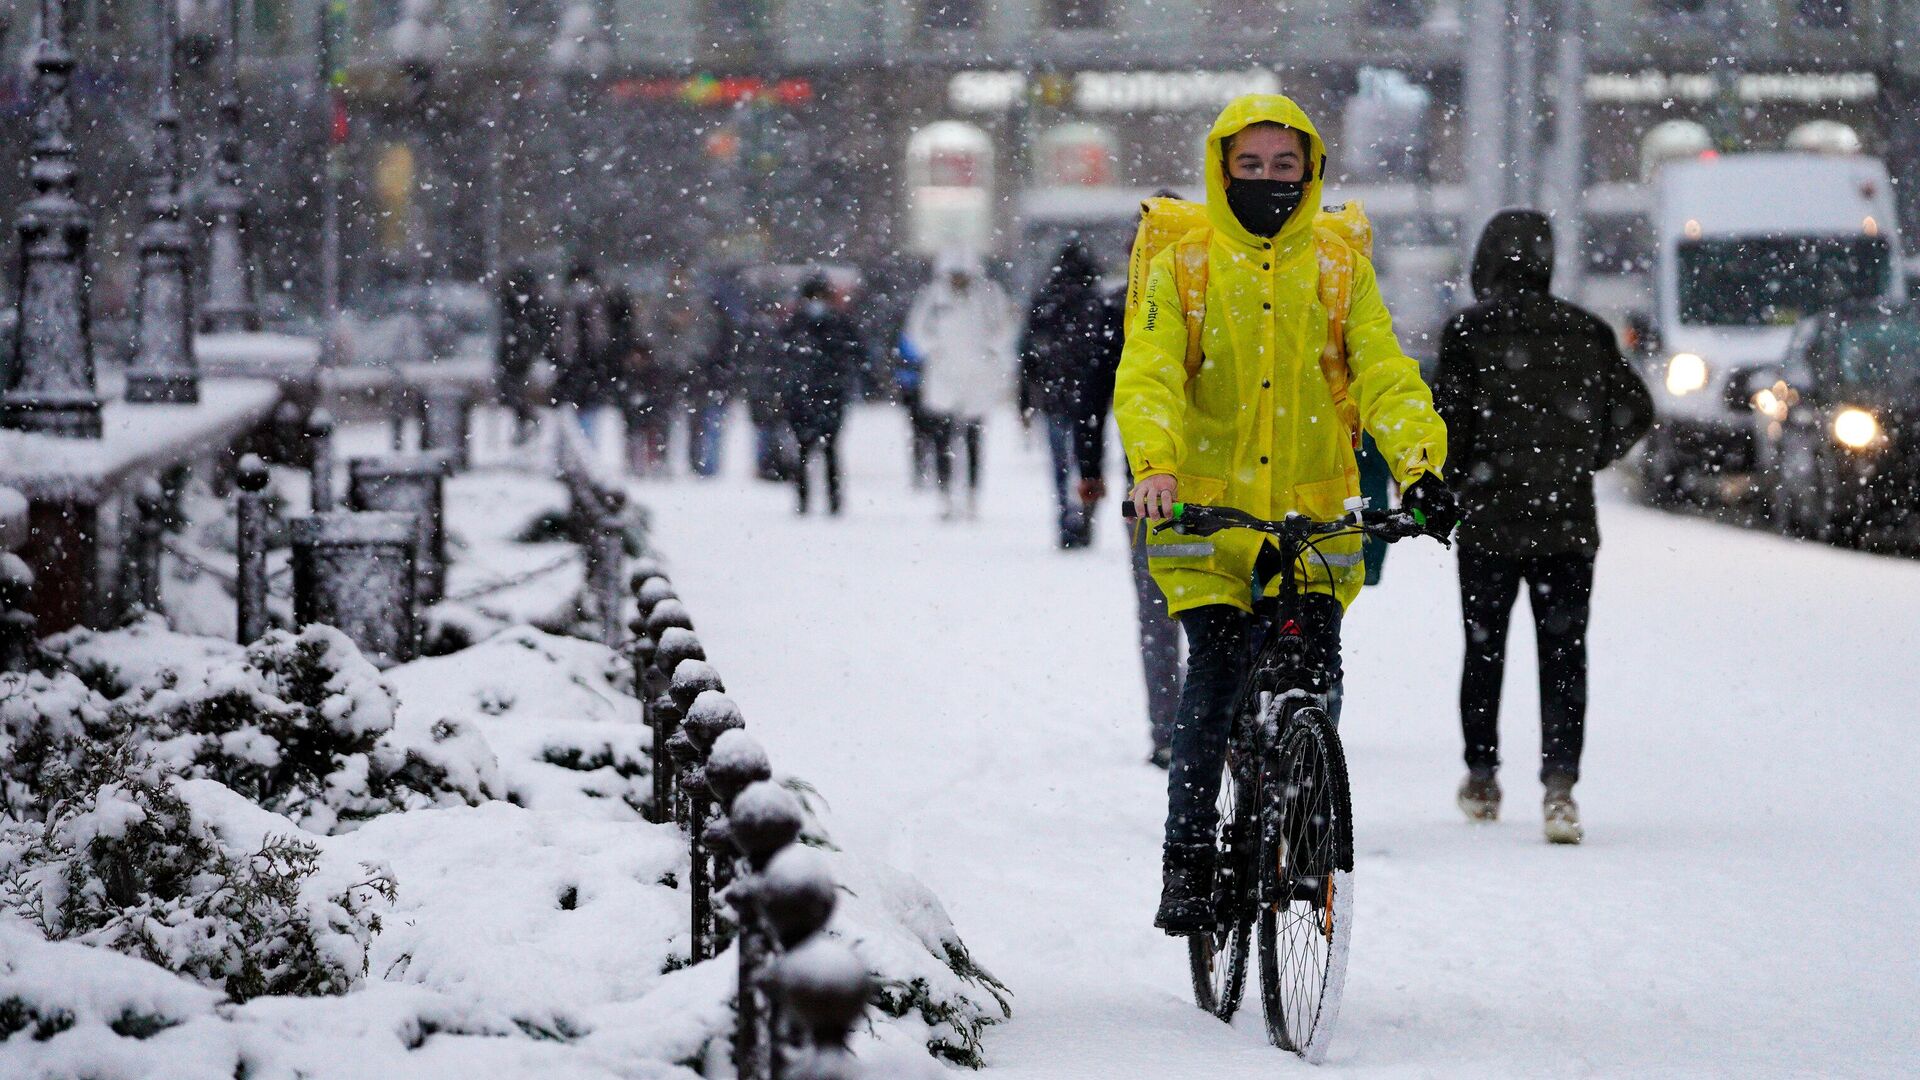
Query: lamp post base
x,y
67,416
162,388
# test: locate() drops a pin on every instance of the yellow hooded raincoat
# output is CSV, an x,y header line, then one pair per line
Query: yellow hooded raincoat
x,y
1256,427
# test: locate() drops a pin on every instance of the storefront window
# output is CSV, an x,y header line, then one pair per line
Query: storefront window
x,y
1825,14
1397,14
1689,9
1076,14
950,14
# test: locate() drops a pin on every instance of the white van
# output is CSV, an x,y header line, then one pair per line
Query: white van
x,y
1747,244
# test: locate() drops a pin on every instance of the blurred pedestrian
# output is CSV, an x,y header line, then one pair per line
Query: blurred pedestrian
x,y
963,327
636,379
920,448
1537,399
759,375
823,357
688,339
586,378
1063,352
528,324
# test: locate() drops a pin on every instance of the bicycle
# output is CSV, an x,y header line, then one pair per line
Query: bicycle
x,y
1284,855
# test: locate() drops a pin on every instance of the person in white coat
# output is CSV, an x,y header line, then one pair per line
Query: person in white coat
x,y
963,327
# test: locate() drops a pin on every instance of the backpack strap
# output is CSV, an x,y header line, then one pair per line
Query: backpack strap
x,y
1336,295
1190,277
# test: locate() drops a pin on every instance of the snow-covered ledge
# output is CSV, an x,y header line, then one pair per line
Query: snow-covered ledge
x,y
77,489
284,358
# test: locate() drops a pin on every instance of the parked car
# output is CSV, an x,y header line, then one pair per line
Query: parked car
x,y
1837,427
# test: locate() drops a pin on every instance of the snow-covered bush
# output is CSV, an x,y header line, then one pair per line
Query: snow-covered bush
x,y
101,849
300,723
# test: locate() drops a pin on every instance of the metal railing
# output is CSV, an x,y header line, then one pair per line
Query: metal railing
x,y
800,992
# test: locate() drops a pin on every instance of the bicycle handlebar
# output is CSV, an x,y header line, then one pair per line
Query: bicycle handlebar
x,y
1195,520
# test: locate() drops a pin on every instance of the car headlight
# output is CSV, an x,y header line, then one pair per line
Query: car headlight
x,y
1855,428
1686,372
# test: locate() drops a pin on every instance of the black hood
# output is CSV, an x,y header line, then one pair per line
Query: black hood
x,y
1515,254
1075,264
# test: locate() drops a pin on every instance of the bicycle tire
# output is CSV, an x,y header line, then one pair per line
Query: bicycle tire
x,y
1306,847
1218,960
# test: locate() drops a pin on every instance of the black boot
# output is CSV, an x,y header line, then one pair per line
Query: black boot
x,y
1186,894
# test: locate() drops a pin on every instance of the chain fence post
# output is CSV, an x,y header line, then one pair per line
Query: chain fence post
x,y
250,545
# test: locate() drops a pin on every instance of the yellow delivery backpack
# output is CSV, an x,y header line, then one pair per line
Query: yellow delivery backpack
x,y
1338,232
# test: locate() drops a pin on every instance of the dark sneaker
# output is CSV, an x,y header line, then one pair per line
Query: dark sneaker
x,y
1186,894
1561,812
1479,796
1162,757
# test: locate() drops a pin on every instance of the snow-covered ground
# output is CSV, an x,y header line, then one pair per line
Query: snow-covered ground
x,y
970,699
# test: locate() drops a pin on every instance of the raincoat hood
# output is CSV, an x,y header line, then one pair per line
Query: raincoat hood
x,y
1239,113
1515,254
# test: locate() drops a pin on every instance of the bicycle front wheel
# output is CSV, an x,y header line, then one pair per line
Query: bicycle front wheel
x,y
1218,957
1306,888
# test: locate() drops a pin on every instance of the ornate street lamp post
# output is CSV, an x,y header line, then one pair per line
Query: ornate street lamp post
x,y
229,303
419,44
163,367
49,385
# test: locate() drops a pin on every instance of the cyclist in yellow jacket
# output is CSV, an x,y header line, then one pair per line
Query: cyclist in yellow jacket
x,y
1257,427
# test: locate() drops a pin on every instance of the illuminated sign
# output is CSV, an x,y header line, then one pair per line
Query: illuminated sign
x,y
710,92
1656,87
1108,91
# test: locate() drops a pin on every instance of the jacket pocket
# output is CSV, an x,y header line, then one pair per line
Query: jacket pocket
x,y
1337,556
1325,500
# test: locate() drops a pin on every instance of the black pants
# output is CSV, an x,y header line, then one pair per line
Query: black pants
x,y
1220,647
944,429
1560,588
828,444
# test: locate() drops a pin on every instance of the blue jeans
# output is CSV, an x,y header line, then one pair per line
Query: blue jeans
x,y
1221,643
1067,501
705,426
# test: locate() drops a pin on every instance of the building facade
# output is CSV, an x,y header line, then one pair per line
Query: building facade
x,y
655,131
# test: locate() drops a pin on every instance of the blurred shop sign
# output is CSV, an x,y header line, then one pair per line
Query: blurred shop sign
x,y
1107,91
1656,87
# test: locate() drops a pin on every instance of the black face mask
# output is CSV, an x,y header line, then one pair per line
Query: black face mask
x,y
1265,205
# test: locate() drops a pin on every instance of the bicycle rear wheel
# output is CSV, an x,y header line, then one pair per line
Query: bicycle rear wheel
x,y
1218,958
1306,897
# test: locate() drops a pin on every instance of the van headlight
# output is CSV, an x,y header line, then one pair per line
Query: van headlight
x,y
1855,428
1686,372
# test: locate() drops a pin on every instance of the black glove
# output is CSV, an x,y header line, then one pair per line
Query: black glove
x,y
1433,502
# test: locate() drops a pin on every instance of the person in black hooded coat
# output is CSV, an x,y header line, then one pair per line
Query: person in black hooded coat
x,y
823,353
1537,399
1067,353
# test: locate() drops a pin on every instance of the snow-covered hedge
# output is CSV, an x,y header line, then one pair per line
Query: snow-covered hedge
x,y
301,724
98,846
316,870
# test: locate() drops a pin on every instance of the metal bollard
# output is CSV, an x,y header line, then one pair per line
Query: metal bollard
x,y
355,571
642,568
250,511
709,716
16,622
320,460
825,988
150,506
445,413
606,551
737,762
764,819
412,484
674,645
